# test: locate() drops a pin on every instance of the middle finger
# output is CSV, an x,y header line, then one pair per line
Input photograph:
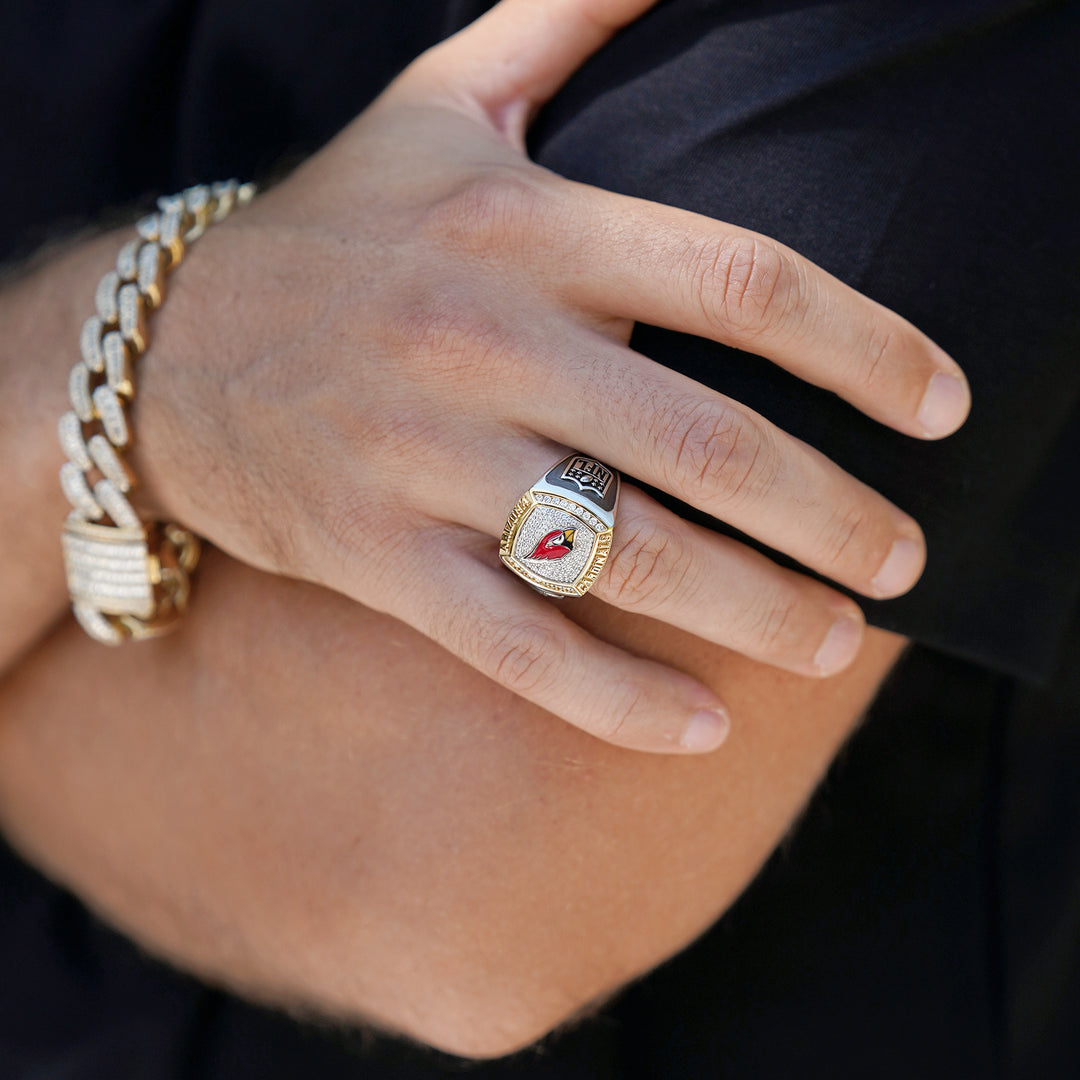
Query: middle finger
x,y
725,459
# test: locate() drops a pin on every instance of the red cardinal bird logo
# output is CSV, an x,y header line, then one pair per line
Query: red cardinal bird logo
x,y
555,545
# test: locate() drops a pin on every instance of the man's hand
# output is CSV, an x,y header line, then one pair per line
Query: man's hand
x,y
355,379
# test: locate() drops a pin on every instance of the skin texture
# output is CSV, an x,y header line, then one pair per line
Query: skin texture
x,y
313,803
398,338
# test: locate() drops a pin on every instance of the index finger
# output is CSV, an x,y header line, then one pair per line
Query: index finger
x,y
650,263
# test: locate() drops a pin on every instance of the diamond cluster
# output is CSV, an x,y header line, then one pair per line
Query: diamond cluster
x,y
110,568
576,509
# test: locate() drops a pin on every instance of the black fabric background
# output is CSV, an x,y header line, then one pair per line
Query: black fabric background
x,y
924,920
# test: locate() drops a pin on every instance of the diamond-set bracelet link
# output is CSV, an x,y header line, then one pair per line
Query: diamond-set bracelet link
x,y
127,578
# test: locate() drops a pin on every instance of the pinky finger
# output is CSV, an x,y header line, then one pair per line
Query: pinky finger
x,y
521,641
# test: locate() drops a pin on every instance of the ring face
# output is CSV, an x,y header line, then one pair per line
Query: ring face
x,y
558,536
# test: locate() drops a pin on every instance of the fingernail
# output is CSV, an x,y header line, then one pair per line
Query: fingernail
x,y
840,645
900,570
707,729
944,405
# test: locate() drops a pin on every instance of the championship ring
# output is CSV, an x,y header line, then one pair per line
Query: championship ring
x,y
558,536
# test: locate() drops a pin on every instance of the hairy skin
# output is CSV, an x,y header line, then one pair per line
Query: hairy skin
x,y
310,802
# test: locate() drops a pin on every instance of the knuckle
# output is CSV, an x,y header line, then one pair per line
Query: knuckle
x,y
645,570
524,656
500,210
715,452
743,282
624,714
877,359
839,540
774,633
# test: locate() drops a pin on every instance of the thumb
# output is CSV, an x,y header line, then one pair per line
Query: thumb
x,y
513,59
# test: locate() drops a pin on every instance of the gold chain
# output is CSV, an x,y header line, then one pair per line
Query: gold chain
x,y
127,578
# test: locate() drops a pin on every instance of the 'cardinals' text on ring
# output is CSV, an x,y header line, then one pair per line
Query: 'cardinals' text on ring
x,y
558,536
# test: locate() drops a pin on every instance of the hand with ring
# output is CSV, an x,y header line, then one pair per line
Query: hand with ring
x,y
359,379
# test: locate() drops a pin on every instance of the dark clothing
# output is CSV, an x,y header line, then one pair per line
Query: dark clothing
x,y
925,918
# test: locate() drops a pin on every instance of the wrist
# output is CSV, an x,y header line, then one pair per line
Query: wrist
x,y
174,398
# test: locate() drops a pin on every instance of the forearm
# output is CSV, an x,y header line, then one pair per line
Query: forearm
x,y
41,313
310,801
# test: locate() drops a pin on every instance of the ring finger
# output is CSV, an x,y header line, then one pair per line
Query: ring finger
x,y
679,573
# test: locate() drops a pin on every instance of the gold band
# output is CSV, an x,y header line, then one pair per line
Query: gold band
x,y
127,578
558,536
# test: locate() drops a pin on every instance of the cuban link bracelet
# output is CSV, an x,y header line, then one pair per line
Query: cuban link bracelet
x,y
127,578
